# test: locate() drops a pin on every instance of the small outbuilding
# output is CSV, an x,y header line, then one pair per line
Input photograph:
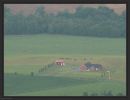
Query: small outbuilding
x,y
83,67
60,62
91,67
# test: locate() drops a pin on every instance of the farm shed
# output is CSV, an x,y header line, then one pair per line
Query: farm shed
x,y
60,62
91,67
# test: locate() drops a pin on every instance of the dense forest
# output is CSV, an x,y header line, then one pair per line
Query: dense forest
x,y
100,22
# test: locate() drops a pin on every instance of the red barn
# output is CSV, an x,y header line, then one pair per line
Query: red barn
x,y
60,62
82,68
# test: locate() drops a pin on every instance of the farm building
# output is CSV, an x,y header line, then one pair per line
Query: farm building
x,y
91,67
83,67
60,62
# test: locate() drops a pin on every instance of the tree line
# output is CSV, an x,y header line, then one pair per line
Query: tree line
x,y
99,22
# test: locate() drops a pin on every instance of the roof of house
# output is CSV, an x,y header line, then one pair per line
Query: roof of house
x,y
94,65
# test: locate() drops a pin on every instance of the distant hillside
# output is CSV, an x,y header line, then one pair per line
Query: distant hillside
x,y
99,22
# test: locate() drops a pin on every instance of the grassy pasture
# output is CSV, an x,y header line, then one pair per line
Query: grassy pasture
x,y
62,45
25,65
26,54
23,85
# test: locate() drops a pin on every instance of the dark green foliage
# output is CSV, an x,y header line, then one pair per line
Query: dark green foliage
x,y
104,93
101,22
85,94
50,65
88,63
102,75
15,73
94,94
32,73
109,93
120,94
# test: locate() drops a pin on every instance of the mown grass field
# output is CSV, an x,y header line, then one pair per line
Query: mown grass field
x,y
29,53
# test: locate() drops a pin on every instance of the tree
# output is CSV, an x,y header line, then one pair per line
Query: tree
x,y
98,22
8,21
40,11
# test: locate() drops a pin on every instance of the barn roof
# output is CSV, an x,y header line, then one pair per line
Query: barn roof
x,y
94,65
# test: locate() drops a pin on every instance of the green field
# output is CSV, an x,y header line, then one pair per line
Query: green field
x,y
24,54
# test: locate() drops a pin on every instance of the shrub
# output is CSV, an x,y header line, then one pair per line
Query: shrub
x,y
94,94
15,73
85,94
120,94
104,93
32,73
109,93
